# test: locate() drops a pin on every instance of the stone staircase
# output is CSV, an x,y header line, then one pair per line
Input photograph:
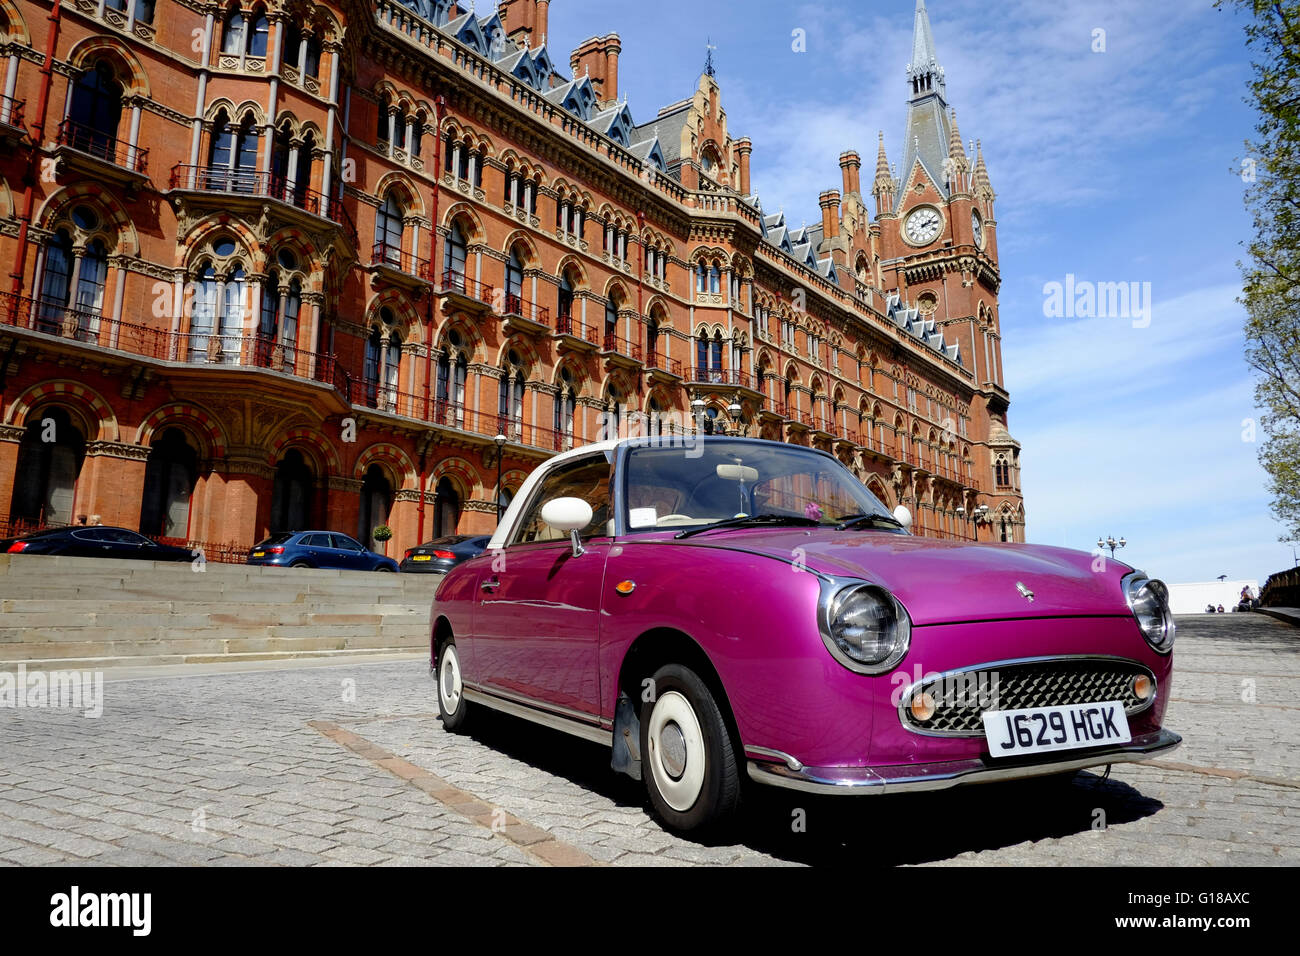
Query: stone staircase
x,y
60,612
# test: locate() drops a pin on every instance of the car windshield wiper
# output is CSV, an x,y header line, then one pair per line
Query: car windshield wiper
x,y
856,521
747,520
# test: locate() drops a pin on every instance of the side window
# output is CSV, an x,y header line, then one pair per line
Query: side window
x,y
313,541
344,543
587,479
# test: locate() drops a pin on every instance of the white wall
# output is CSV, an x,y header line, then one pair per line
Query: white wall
x,y
1192,598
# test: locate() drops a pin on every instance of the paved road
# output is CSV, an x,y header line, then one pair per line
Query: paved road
x,y
304,763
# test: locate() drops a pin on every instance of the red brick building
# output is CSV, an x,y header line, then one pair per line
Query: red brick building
x,y
282,264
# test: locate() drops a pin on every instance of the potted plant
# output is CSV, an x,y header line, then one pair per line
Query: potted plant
x,y
381,534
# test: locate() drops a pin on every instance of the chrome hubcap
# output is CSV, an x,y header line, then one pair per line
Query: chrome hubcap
x,y
672,751
449,680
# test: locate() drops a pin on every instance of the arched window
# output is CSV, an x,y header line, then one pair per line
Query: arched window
x,y
453,368
233,32
95,111
50,454
715,357
382,362
566,405
143,9
652,337
257,41
457,255
715,279
233,155
565,312
302,175
90,283
701,277
1003,472
510,400
389,231
278,327
217,315
514,282
447,513
612,425
376,504
291,494
611,323
170,473
56,283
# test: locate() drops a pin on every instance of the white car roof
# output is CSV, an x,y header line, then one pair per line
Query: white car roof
x,y
512,514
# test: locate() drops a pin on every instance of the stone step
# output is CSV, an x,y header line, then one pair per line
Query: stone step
x,y
104,663
84,609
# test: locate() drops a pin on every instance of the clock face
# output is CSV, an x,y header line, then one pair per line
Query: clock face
x,y
977,228
923,225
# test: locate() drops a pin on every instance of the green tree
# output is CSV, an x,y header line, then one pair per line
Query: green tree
x,y
1271,273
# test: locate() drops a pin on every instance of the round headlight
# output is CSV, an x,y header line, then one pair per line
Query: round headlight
x,y
866,628
1149,601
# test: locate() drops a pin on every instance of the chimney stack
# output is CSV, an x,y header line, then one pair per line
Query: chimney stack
x,y
830,203
743,148
851,166
541,20
597,59
524,20
613,47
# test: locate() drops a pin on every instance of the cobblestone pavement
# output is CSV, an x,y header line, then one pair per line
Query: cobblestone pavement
x,y
302,763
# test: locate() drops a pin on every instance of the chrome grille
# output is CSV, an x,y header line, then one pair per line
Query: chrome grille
x,y
962,697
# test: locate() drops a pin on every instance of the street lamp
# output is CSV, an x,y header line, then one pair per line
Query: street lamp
x,y
735,411
1111,543
501,444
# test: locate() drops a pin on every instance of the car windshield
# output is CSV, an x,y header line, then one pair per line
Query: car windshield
x,y
715,480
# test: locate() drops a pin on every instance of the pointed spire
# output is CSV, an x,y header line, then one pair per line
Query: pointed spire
x,y
924,74
981,171
884,187
882,163
957,165
955,150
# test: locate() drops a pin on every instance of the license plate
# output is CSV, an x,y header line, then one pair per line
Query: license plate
x,y
1011,733
420,557
259,554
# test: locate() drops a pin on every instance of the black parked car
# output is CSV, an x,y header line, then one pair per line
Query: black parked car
x,y
318,549
95,541
442,554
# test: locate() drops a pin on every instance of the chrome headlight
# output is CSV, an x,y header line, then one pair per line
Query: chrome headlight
x,y
865,627
1149,602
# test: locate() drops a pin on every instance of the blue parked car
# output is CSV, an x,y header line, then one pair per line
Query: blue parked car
x,y
318,549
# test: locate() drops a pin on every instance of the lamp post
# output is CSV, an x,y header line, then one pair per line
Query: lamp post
x,y
697,412
976,514
501,444
1111,543
735,411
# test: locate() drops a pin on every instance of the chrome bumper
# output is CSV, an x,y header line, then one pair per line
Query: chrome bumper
x,y
908,778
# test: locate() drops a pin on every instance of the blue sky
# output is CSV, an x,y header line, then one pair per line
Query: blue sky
x,y
1112,166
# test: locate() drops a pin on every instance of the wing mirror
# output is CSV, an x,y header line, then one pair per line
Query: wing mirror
x,y
904,517
568,515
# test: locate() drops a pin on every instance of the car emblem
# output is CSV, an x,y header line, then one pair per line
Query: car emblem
x,y
1029,595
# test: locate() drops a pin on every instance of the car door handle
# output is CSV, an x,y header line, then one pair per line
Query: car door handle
x,y
490,585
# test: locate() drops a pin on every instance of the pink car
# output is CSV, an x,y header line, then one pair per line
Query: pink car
x,y
716,609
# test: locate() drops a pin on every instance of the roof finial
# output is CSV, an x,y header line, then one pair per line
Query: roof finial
x,y
708,60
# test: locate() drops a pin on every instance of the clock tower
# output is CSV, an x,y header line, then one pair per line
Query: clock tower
x,y
938,255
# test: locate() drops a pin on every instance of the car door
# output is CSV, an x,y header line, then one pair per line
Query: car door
x,y
350,554
314,549
537,613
